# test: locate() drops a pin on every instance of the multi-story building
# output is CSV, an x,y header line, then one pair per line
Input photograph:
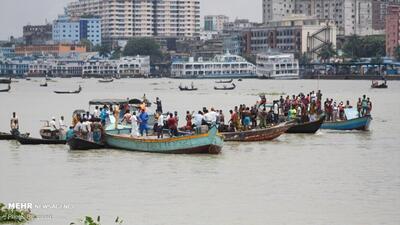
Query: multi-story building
x,y
7,52
122,20
215,22
14,67
37,35
73,30
392,29
295,34
379,12
351,16
55,50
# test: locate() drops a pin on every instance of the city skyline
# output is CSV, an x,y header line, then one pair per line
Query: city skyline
x,y
32,12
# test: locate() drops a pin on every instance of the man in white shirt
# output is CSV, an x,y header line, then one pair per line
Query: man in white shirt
x,y
52,124
96,112
198,119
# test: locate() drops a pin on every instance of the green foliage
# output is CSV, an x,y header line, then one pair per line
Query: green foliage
x,y
117,53
14,215
304,59
144,46
88,44
327,52
90,221
103,50
369,46
397,53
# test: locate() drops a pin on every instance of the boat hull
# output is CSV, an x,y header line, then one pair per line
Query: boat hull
x,y
210,143
361,123
257,135
5,136
76,143
37,141
306,128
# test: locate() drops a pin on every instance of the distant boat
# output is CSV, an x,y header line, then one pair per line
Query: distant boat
x,y
361,123
43,85
265,134
5,80
106,80
25,140
224,81
77,143
69,92
376,85
187,88
240,79
209,143
27,78
226,88
6,90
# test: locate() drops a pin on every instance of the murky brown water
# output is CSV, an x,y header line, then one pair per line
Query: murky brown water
x,y
327,178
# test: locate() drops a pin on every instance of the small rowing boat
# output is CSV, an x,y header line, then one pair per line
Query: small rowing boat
x,y
224,81
6,90
69,92
25,140
77,143
225,87
266,134
376,85
43,85
208,143
187,89
106,80
307,127
361,123
5,80
6,136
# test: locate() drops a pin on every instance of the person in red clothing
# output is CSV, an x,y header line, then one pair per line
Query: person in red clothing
x,y
188,121
172,125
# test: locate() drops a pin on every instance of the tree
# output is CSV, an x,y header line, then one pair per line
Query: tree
x,y
88,44
304,59
368,47
144,46
327,52
103,50
117,53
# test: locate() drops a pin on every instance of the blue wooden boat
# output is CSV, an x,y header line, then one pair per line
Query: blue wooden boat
x,y
210,143
361,123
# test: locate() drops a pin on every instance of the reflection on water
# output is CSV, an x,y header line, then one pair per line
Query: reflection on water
x,y
326,178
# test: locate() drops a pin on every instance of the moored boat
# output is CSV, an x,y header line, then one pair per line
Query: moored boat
x,y
187,89
266,134
209,143
6,90
69,92
44,85
77,143
376,85
224,81
106,80
307,127
5,80
6,136
25,140
361,123
225,88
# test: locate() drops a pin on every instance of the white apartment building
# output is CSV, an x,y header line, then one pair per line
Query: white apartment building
x,y
123,19
277,66
351,16
215,22
138,66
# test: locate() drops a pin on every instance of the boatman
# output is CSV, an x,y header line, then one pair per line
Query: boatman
x,y
14,124
143,119
159,105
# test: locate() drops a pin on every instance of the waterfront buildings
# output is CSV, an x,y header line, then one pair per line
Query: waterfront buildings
x,y
215,22
351,16
14,67
73,30
221,66
277,66
54,50
392,30
138,66
37,35
122,20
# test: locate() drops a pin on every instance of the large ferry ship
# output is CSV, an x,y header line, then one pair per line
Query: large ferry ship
x,y
221,66
277,66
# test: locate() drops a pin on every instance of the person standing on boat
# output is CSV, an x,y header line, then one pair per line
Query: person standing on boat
x,y
276,111
127,117
96,112
221,118
143,120
262,117
369,109
188,118
116,116
172,125
198,120
159,105
14,124
364,105
62,128
53,127
160,125
135,128
97,130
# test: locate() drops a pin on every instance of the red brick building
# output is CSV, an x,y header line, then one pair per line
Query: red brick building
x,y
392,29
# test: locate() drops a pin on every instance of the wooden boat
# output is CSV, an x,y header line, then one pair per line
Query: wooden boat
x,y
209,143
240,79
77,143
307,127
106,80
5,81
187,89
6,136
376,85
27,78
6,90
43,85
69,92
225,88
25,140
361,123
266,134
224,81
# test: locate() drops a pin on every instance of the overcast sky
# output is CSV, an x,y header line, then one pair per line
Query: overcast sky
x,y
14,14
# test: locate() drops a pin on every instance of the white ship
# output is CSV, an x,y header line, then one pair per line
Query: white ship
x,y
277,66
221,66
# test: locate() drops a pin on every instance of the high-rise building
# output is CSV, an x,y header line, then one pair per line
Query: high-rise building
x,y
73,30
37,35
123,19
379,12
215,22
351,16
392,29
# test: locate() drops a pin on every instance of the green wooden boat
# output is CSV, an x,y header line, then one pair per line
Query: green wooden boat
x,y
209,143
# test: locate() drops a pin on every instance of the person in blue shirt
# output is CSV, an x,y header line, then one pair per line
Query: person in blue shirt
x,y
103,116
143,120
70,133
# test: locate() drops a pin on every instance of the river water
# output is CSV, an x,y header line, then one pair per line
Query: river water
x,y
327,178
